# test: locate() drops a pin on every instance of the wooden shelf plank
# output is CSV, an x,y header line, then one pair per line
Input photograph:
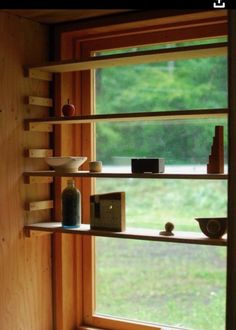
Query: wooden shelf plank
x,y
87,174
31,124
129,233
41,101
167,54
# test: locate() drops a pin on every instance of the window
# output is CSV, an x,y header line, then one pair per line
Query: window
x,y
142,283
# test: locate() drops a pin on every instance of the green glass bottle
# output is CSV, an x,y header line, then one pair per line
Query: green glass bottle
x,y
71,206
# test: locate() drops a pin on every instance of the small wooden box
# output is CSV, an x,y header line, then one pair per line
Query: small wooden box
x,y
145,165
107,211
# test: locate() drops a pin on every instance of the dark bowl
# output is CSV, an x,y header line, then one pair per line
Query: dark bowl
x,y
213,227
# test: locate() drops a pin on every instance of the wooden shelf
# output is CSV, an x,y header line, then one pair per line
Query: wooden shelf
x,y
130,233
167,54
87,174
32,124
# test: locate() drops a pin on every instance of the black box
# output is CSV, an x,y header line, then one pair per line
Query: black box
x,y
142,165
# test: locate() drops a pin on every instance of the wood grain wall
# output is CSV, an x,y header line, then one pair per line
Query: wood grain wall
x,y
25,264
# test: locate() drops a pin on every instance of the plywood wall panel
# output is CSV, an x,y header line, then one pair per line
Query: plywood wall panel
x,y
25,264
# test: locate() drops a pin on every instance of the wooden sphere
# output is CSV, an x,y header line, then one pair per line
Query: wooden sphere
x,y
169,226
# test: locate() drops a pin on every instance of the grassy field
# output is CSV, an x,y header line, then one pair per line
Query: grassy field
x,y
167,283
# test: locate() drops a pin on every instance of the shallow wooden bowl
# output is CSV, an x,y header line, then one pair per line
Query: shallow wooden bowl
x,y
213,227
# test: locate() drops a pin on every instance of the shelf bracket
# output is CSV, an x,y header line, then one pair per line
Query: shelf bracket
x,y
40,205
35,233
38,153
38,179
39,74
40,101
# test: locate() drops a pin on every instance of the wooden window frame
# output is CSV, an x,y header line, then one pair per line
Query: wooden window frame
x,y
78,86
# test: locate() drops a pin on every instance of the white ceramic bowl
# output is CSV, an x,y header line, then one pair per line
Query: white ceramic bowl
x,y
65,164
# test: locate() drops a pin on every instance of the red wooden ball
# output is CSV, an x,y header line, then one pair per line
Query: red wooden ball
x,y
68,109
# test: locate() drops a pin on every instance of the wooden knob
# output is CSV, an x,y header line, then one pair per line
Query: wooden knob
x,y
169,226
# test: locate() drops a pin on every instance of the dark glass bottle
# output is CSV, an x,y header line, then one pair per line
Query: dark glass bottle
x,y
71,206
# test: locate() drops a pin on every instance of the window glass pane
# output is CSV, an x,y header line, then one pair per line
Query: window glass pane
x,y
151,203
167,283
179,142
173,85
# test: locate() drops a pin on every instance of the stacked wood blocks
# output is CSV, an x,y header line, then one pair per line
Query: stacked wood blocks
x,y
216,158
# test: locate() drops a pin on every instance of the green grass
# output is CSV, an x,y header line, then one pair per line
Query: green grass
x,y
166,283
